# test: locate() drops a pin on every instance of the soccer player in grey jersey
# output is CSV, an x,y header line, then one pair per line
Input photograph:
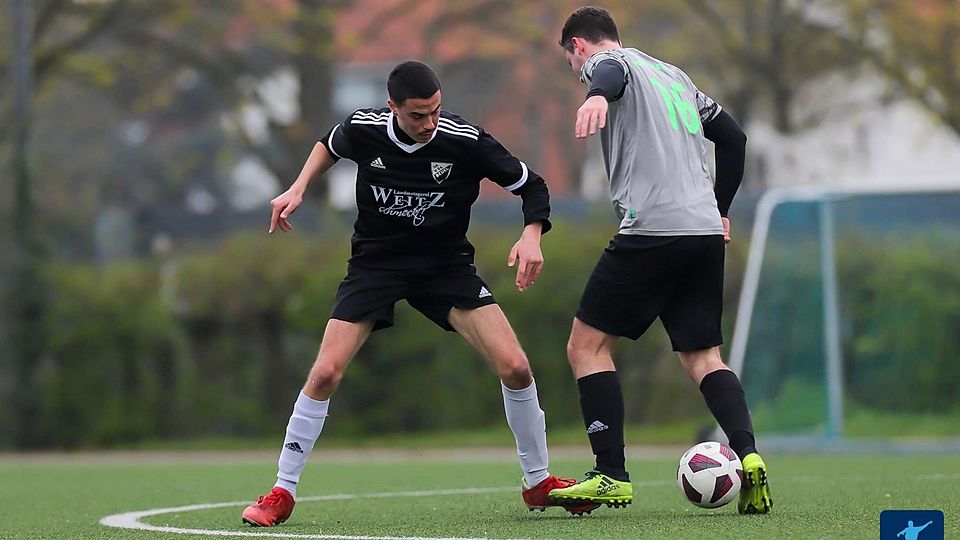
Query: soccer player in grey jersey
x,y
667,259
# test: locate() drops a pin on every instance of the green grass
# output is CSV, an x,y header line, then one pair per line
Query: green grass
x,y
817,496
678,433
860,422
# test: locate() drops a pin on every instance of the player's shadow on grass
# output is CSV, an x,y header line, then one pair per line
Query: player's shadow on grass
x,y
537,516
693,514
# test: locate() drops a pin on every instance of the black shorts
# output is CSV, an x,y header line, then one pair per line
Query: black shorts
x,y
369,294
676,278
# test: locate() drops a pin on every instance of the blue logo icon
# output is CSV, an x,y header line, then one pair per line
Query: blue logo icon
x,y
911,525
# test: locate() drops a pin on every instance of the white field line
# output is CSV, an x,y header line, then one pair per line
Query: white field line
x,y
131,520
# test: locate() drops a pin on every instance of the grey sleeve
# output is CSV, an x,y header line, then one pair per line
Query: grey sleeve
x,y
708,108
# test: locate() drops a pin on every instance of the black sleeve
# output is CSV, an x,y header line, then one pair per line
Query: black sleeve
x,y
536,201
337,141
503,168
608,80
730,152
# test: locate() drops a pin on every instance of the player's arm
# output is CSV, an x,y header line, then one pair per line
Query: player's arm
x,y
607,80
536,209
535,199
730,152
321,158
502,167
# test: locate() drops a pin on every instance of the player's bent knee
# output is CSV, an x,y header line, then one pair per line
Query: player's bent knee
x,y
576,352
515,372
323,378
571,350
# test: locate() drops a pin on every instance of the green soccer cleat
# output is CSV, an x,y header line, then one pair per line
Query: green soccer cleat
x,y
754,492
596,488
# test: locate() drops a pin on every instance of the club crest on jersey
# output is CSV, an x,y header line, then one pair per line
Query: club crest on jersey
x,y
440,170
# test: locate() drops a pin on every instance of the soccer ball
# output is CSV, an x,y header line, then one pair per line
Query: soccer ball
x,y
710,474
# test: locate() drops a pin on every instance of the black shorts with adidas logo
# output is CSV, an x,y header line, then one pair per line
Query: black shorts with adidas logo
x,y
676,278
369,294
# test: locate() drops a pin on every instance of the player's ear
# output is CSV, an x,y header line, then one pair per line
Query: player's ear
x,y
393,106
577,44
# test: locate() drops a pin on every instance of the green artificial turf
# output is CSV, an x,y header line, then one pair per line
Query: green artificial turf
x,y
816,496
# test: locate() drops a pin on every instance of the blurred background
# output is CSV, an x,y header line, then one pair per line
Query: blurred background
x,y
143,304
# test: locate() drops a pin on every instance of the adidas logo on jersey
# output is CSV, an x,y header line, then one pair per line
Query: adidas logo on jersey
x,y
484,293
294,447
378,164
597,426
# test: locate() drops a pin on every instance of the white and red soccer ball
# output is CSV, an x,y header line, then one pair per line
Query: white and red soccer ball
x,y
710,474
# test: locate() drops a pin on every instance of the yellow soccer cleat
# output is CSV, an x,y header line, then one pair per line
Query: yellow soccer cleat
x,y
754,492
597,488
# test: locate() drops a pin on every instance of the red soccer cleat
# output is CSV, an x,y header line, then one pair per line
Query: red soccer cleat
x,y
272,509
538,496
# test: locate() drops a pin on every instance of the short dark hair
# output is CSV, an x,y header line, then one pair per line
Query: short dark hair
x,y
591,23
412,79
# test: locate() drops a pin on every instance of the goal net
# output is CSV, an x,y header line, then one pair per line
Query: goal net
x,y
848,327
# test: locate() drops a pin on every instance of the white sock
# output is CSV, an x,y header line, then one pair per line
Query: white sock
x,y
304,427
529,427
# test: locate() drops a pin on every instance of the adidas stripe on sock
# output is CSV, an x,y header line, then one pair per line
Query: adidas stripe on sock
x,y
304,427
529,427
601,402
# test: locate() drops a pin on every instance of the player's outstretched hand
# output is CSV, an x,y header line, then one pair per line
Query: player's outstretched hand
x,y
726,230
591,116
283,206
527,252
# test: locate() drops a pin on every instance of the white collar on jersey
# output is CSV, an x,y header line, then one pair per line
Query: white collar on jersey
x,y
408,148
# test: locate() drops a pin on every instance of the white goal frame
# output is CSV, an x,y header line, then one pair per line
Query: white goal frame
x,y
825,195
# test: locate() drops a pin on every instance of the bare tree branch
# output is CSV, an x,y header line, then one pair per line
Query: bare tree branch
x,y
47,14
726,36
47,60
899,60
221,69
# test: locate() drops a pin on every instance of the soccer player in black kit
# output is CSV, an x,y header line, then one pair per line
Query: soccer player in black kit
x,y
419,173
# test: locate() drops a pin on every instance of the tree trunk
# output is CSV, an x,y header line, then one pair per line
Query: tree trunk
x,y
314,65
27,294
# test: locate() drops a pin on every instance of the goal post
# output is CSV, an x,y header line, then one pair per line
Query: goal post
x,y
836,279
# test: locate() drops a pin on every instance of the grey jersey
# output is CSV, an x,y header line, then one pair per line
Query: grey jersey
x,y
653,149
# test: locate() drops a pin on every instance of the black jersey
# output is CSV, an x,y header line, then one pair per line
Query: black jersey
x,y
414,199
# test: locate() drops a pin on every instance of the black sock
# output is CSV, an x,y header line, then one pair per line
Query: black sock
x,y
724,396
602,404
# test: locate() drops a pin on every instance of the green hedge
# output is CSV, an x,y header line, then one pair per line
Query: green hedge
x,y
899,302
216,341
